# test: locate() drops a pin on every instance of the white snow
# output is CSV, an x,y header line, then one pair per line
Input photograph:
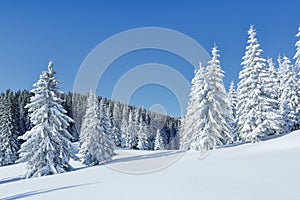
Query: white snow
x,y
264,170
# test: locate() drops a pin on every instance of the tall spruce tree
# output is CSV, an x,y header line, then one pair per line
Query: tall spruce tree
x,y
96,145
214,129
190,123
297,71
297,54
131,132
289,102
47,148
143,138
252,98
205,125
232,99
273,121
124,125
105,118
159,143
116,121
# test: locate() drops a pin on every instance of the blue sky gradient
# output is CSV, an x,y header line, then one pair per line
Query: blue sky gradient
x,y
33,32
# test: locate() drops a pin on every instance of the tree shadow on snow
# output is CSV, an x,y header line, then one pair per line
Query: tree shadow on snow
x,y
142,157
37,192
10,180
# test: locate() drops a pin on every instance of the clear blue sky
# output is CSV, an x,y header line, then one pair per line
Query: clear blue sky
x,y
32,32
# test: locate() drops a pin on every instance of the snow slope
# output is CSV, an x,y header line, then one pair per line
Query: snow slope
x,y
266,170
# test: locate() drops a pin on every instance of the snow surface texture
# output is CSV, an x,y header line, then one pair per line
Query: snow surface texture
x,y
265,170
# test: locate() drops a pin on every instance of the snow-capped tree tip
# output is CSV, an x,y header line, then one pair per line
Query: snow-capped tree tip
x,y
50,65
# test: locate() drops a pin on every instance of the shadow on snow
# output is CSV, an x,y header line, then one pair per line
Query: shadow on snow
x,y
10,180
142,157
37,192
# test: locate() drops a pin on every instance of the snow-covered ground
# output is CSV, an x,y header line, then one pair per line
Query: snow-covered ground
x,y
266,170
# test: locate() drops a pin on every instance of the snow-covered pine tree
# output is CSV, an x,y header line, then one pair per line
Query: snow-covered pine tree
x,y
213,129
297,54
136,127
130,141
297,71
109,114
273,85
252,108
232,100
143,139
105,118
124,125
159,143
289,102
96,146
47,148
190,123
116,121
273,122
9,142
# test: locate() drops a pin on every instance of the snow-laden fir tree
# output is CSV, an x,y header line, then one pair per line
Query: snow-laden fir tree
x,y
136,126
232,101
159,143
254,103
190,123
124,125
109,119
214,111
297,71
131,132
96,146
105,118
273,85
273,119
289,102
205,125
9,142
117,120
297,54
47,148
143,139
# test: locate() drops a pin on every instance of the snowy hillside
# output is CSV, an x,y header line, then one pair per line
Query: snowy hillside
x,y
265,170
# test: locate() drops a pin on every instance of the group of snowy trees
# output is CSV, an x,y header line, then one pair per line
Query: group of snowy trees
x,y
37,127
266,102
14,122
128,126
